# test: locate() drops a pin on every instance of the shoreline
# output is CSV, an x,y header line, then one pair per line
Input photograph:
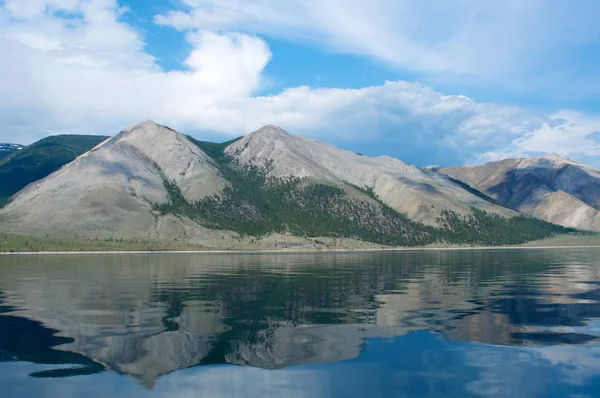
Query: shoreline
x,y
304,251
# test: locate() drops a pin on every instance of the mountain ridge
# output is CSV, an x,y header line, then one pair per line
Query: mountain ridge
x,y
150,181
404,187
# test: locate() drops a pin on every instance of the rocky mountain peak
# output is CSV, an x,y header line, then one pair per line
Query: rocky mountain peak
x,y
271,128
553,157
147,128
146,124
271,132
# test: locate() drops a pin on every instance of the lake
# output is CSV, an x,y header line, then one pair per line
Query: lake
x,y
481,323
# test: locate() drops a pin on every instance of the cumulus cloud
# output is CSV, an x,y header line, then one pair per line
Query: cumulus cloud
x,y
75,66
86,70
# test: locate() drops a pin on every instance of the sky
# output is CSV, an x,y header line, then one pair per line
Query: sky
x,y
432,82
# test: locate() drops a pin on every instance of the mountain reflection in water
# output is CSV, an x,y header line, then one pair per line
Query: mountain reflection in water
x,y
442,317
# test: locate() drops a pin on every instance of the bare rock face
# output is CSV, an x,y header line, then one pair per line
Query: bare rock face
x,y
109,191
419,193
552,188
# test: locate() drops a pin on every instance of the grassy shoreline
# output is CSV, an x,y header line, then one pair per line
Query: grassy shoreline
x,y
45,245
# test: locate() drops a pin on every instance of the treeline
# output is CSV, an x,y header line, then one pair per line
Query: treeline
x,y
483,228
18,243
256,204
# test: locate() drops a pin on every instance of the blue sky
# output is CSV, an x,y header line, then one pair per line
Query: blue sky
x,y
428,81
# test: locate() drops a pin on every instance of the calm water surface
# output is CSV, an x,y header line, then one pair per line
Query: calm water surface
x,y
502,323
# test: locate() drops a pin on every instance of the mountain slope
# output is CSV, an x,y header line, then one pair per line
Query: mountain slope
x,y
288,184
109,191
41,158
8,149
419,193
552,188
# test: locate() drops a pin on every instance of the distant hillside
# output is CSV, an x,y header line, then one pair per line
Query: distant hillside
x,y
40,159
7,149
551,188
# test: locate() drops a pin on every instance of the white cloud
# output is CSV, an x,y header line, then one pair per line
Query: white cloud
x,y
488,39
89,72
34,8
85,70
567,133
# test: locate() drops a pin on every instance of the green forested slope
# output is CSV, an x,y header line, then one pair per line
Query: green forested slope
x,y
255,204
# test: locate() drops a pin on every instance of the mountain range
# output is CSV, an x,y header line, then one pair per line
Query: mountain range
x,y
153,182
7,149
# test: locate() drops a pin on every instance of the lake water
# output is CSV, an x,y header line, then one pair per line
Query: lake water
x,y
497,323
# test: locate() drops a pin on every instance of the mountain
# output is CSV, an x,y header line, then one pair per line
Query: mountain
x,y
41,158
551,188
419,193
150,181
7,149
109,190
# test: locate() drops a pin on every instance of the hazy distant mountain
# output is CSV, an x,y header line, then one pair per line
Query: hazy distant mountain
x,y
551,188
7,149
150,181
39,159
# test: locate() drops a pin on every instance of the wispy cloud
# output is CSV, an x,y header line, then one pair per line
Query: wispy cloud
x,y
516,42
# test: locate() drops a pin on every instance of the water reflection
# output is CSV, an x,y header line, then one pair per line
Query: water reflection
x,y
423,323
24,340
